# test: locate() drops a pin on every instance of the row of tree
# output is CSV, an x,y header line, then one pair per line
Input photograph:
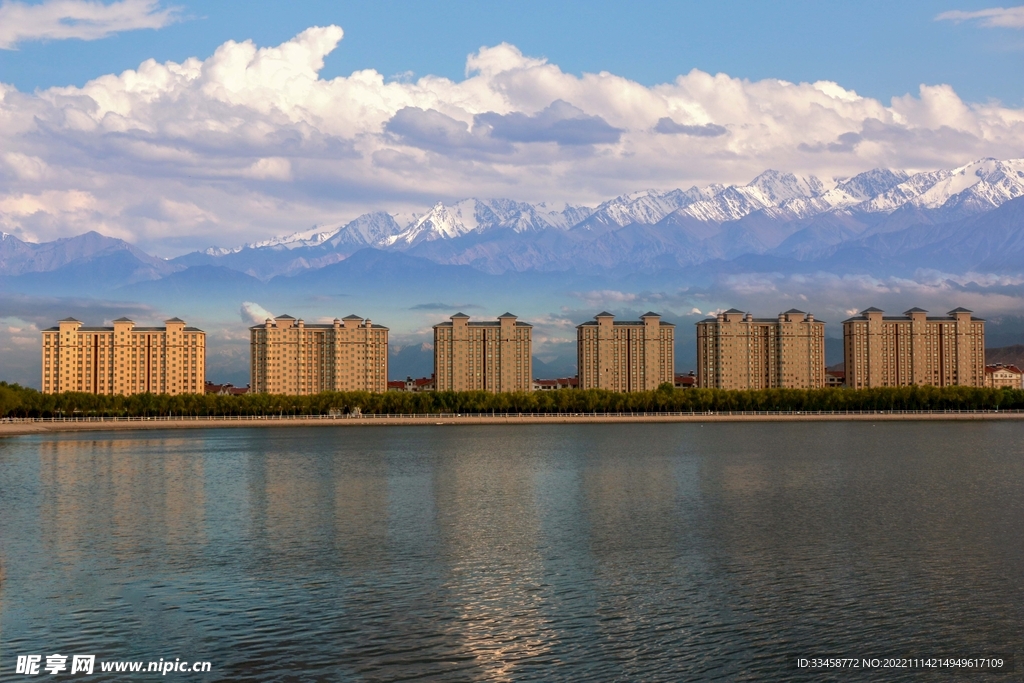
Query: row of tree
x,y
17,401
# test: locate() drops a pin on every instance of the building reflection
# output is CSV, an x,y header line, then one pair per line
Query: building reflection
x,y
124,497
317,508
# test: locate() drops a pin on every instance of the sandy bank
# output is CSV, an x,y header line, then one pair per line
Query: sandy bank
x,y
18,428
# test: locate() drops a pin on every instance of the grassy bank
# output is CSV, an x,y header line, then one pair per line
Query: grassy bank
x,y
17,401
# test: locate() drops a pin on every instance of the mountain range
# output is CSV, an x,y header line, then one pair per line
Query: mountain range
x,y
967,219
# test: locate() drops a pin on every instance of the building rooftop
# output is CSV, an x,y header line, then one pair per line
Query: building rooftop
x,y
906,317
134,329
1000,367
591,323
316,326
482,323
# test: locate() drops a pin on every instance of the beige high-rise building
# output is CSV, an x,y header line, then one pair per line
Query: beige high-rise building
x,y
124,359
289,356
738,351
915,348
625,355
483,356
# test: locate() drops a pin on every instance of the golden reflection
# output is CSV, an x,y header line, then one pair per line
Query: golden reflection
x,y
490,531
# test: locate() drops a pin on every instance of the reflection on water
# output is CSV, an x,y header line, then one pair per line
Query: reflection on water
x,y
646,552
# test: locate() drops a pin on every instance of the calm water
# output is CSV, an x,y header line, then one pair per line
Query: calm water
x,y
589,552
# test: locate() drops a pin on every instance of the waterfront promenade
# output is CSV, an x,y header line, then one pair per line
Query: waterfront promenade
x,y
18,427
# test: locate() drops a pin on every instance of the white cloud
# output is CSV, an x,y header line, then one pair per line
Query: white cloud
x,y
251,142
993,17
83,19
254,314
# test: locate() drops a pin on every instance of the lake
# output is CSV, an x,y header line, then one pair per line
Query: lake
x,y
675,552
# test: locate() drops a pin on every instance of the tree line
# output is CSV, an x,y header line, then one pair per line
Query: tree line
x,y
18,401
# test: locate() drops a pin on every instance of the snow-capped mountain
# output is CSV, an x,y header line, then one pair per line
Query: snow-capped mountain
x,y
307,238
371,229
478,215
780,213
980,185
645,207
777,196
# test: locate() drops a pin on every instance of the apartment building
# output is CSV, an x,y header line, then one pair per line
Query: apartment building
x,y
625,355
483,355
290,356
738,351
124,359
915,348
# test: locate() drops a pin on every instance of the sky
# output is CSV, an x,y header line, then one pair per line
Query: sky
x,y
182,125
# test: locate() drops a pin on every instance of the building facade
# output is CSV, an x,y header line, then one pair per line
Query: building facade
x,y
124,359
998,376
738,351
835,379
626,355
288,356
913,349
483,356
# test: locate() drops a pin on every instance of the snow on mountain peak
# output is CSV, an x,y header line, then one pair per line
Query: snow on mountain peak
x,y
777,187
308,238
985,183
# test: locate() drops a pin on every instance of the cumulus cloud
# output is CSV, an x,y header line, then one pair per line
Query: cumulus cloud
x,y
251,142
254,314
993,17
83,19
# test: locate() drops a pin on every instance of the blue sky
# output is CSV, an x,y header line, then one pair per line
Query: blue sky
x,y
879,49
180,125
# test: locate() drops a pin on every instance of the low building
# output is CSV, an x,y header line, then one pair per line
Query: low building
x,y
625,355
411,385
735,350
914,349
225,389
555,384
289,356
124,359
687,381
835,378
998,376
494,356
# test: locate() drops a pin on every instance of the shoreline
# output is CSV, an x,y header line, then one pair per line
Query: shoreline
x,y
55,426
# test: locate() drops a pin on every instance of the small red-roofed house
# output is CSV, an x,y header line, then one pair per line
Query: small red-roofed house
x,y
998,376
